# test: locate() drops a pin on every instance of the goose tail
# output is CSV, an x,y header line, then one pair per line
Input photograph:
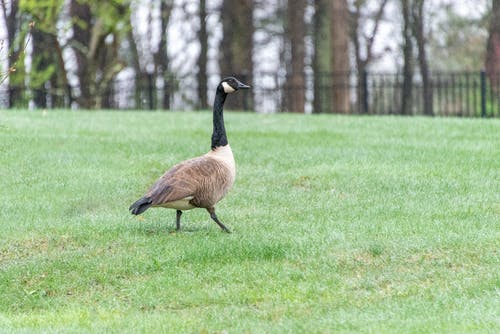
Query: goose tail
x,y
140,206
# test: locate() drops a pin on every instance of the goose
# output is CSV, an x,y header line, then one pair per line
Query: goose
x,y
199,182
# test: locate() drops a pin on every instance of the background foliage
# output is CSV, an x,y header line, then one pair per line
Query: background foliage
x,y
121,53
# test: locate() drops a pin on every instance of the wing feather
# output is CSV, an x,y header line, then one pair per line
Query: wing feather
x,y
183,180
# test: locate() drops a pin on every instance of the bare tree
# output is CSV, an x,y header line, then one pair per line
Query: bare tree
x,y
340,56
322,55
139,70
161,57
203,56
420,37
492,63
295,32
11,14
406,92
237,47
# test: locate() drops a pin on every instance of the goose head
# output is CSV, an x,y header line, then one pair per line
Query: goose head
x,y
230,85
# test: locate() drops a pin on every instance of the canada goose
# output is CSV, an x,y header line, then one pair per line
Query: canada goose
x,y
203,181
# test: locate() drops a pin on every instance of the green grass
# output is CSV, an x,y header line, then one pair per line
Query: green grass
x,y
340,224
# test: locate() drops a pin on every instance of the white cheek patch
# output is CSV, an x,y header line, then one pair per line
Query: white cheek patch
x,y
227,88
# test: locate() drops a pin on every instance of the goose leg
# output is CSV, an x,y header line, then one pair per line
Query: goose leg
x,y
178,220
214,217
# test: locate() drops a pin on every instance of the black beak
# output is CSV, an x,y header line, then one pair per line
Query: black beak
x,y
241,85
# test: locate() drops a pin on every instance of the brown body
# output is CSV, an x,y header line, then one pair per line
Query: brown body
x,y
195,183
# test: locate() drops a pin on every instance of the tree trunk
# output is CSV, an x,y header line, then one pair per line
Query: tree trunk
x,y
82,25
340,57
40,62
237,48
406,92
162,56
492,63
203,57
13,27
322,56
418,31
295,88
361,62
63,97
140,76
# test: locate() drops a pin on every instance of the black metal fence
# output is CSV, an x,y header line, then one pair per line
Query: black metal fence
x,y
468,94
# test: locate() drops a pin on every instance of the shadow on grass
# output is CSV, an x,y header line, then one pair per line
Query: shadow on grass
x,y
168,227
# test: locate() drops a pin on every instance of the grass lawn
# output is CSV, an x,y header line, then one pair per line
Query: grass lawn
x,y
340,224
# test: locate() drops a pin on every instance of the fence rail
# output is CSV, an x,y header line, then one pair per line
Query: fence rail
x,y
469,94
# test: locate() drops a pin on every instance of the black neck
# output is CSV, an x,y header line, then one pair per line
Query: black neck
x,y
219,135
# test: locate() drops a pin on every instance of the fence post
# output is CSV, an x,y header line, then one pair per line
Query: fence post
x,y
483,93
